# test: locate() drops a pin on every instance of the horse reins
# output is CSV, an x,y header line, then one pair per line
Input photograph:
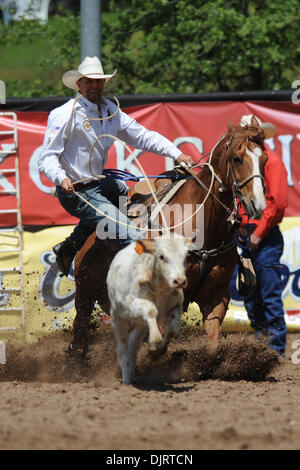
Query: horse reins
x,y
240,185
227,209
236,185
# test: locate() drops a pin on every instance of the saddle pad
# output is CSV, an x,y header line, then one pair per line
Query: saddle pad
x,y
166,199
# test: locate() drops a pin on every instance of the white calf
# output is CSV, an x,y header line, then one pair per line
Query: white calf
x,y
145,282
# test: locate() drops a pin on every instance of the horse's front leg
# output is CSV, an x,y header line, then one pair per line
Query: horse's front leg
x,y
84,305
214,309
90,280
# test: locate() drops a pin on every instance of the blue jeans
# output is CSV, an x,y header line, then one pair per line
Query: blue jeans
x,y
105,195
265,307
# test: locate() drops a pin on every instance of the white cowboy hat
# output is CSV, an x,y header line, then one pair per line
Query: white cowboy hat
x,y
90,67
269,129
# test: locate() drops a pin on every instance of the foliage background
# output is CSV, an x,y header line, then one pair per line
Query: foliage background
x,y
160,46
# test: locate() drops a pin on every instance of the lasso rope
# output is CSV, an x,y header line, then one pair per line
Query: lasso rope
x,y
166,228
88,118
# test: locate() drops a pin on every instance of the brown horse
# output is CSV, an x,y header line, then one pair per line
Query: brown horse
x,y
233,176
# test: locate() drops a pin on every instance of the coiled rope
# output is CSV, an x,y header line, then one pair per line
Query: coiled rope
x,y
166,227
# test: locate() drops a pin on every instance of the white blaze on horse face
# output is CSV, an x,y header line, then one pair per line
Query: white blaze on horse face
x,y
258,190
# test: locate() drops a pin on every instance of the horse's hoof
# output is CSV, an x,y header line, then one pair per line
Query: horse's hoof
x,y
157,351
77,351
213,347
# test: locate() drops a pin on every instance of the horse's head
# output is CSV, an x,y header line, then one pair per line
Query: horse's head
x,y
245,161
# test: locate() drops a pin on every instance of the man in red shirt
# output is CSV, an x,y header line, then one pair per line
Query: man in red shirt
x,y
265,306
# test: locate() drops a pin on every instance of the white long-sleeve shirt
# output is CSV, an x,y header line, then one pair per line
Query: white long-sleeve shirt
x,y
70,136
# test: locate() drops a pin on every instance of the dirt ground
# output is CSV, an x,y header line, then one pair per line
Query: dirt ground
x,y
243,398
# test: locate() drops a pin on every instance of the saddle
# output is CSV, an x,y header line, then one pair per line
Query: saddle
x,y
141,200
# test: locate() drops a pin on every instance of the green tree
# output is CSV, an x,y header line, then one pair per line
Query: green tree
x,y
34,55
162,46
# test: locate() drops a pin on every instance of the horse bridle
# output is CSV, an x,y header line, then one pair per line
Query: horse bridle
x,y
237,186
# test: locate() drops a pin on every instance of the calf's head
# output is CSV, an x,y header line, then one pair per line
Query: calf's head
x,y
170,252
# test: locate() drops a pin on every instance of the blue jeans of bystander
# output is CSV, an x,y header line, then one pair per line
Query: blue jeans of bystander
x,y
265,307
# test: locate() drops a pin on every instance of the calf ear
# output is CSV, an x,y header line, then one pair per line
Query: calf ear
x,y
148,245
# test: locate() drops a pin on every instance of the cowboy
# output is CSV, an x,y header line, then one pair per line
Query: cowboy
x,y
73,157
265,307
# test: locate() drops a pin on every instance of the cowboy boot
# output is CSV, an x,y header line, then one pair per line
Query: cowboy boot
x,y
65,253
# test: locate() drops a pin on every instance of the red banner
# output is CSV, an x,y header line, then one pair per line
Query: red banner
x,y
194,127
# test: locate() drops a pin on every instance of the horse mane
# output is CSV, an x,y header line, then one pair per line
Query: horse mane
x,y
236,135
